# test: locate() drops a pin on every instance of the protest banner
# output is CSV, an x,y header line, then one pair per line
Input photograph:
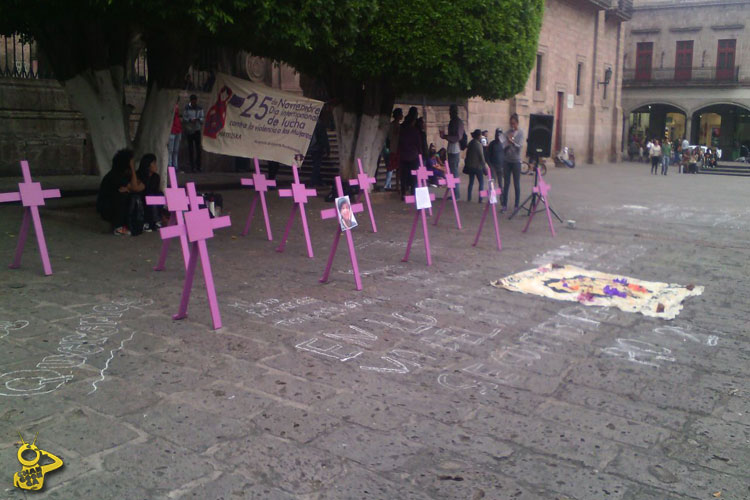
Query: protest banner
x,y
254,121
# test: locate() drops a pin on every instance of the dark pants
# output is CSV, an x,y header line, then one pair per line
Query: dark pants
x,y
513,168
317,160
194,150
480,178
655,162
407,179
497,173
120,206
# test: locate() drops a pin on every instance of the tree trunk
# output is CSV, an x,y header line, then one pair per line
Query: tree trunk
x,y
155,126
100,96
362,125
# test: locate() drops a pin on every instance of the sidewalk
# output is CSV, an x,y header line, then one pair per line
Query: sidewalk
x,y
427,384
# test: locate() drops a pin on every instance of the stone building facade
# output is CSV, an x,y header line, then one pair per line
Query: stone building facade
x,y
687,72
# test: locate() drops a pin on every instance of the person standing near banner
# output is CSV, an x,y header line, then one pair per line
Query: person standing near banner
x,y
175,134
513,145
392,161
455,133
409,149
193,117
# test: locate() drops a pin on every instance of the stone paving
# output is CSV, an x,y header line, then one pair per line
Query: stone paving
x,y
427,384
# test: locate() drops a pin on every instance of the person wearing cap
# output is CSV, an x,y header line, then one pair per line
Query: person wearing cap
x,y
474,165
192,128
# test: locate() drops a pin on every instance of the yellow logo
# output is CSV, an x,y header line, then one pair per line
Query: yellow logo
x,y
32,472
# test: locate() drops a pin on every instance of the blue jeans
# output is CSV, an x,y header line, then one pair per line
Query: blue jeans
x,y
453,160
388,179
173,147
664,164
480,178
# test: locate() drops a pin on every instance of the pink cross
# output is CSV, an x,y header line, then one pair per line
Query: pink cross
x,y
421,182
541,189
451,184
488,193
198,227
363,181
261,183
332,213
422,175
299,192
32,196
177,202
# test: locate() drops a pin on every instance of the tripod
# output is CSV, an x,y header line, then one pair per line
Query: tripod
x,y
531,200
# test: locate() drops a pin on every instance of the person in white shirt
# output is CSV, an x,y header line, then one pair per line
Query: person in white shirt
x,y
655,155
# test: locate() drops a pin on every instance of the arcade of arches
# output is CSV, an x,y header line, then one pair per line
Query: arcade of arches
x,y
725,126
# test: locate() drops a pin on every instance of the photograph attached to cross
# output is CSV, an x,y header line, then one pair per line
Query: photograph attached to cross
x,y
331,213
364,182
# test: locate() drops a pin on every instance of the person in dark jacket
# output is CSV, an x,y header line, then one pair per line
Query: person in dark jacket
x,y
496,156
147,174
113,199
474,165
409,149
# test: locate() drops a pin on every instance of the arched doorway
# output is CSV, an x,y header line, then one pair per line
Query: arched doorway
x,y
725,126
656,121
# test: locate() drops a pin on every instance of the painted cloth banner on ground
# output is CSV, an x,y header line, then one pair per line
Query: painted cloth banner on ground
x,y
254,121
592,288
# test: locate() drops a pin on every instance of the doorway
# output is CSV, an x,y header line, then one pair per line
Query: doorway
x,y
559,120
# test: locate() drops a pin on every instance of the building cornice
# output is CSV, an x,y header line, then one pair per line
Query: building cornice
x,y
685,29
645,31
728,27
687,4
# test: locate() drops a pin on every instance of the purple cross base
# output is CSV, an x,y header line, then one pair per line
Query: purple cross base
x,y
364,181
421,182
198,227
177,202
490,207
299,192
451,184
541,189
32,196
261,183
331,213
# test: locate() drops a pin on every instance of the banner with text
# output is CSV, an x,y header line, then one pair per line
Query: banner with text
x,y
254,121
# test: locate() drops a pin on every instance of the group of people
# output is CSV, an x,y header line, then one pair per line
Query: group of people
x,y
408,140
189,123
662,153
120,200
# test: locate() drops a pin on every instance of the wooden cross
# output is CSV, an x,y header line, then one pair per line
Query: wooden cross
x,y
492,194
261,184
198,227
422,175
332,213
176,202
299,193
451,184
541,190
364,181
32,196
421,182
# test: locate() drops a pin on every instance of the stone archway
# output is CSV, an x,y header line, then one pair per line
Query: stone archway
x,y
657,120
722,125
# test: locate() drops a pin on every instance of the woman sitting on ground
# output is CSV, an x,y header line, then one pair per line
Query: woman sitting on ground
x,y
147,174
435,165
113,199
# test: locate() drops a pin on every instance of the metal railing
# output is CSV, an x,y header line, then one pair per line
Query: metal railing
x,y
625,7
681,76
21,58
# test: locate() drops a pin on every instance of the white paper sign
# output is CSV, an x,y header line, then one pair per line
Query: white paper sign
x,y
571,100
493,195
422,195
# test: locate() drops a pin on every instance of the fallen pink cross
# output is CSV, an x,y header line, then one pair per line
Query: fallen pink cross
x,y
363,181
419,212
199,226
451,184
261,184
177,202
541,189
332,213
300,193
32,196
492,193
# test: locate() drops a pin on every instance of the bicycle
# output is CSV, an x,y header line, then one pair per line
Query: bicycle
x,y
528,168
